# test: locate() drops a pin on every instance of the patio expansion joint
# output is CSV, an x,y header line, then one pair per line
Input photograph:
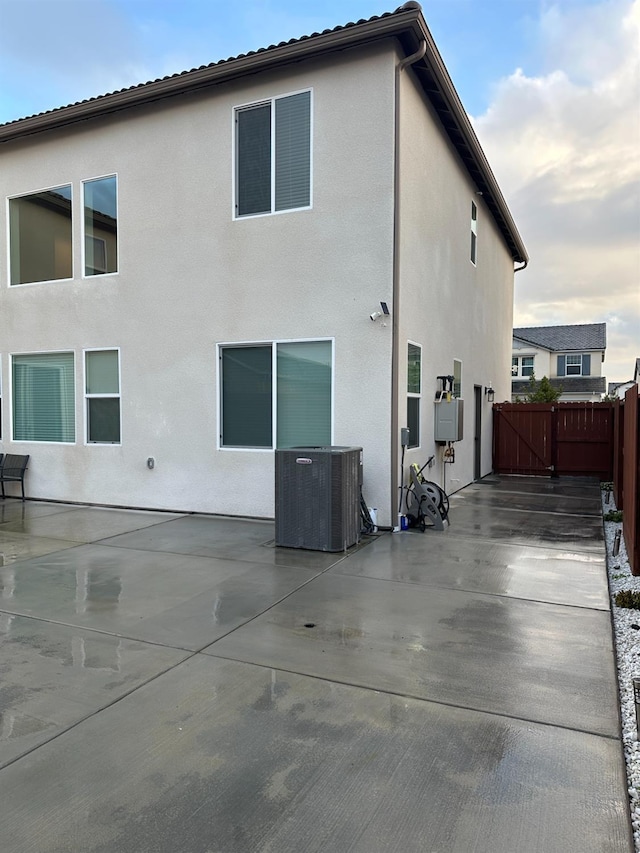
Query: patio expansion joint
x,y
605,609
386,692
545,546
102,631
533,511
99,710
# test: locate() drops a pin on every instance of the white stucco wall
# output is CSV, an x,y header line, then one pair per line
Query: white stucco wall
x,y
190,277
453,308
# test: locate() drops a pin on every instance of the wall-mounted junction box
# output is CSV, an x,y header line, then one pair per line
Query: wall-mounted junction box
x,y
448,420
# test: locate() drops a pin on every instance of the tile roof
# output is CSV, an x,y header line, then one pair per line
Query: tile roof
x,y
220,62
588,336
406,25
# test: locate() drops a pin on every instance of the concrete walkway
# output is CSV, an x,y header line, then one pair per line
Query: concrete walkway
x,y
176,684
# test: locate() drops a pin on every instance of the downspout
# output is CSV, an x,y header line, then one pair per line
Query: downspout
x,y
396,475
525,264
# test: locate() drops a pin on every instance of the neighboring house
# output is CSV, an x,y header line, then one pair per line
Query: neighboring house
x,y
193,265
569,356
619,389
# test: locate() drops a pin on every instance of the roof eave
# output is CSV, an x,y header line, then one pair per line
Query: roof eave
x,y
407,25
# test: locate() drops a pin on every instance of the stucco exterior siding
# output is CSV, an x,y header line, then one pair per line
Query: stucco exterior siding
x,y
453,308
191,277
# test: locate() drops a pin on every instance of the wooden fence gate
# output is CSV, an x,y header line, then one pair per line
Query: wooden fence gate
x,y
554,439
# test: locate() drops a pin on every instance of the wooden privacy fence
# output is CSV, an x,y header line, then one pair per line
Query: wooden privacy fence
x,y
554,439
577,439
626,473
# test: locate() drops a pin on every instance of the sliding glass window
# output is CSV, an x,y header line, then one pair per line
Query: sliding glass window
x,y
273,155
291,381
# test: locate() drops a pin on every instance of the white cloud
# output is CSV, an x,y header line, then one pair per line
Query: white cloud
x,y
565,147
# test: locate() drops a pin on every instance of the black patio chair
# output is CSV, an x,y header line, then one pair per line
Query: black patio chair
x,y
12,470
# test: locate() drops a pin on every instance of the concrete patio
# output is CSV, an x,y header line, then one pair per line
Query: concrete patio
x,y
177,684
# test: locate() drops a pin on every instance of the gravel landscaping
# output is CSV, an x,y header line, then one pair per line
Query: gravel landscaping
x,y
626,623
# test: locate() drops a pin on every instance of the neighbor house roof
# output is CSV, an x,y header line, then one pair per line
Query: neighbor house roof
x,y
568,385
614,386
406,24
588,336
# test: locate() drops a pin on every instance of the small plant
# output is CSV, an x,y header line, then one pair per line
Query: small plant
x,y
629,598
613,515
606,487
618,575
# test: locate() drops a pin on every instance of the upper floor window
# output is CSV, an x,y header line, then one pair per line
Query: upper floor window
x,y
280,391
574,365
273,155
40,236
100,198
522,365
474,232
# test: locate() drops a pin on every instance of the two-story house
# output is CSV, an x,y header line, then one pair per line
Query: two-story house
x,y
285,248
569,356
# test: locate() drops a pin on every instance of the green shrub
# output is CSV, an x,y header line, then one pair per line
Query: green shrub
x,y
613,515
629,598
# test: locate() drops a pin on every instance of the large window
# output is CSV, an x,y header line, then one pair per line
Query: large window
x,y
414,390
522,365
102,394
276,394
100,198
44,397
40,236
273,155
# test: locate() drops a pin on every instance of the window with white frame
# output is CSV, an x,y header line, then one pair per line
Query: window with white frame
x,y
414,392
574,365
102,395
474,232
276,394
522,365
457,378
43,396
273,155
100,200
41,236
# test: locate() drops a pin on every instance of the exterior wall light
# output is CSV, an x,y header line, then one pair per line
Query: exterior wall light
x,y
490,393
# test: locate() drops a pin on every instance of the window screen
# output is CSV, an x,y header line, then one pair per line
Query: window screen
x,y
273,155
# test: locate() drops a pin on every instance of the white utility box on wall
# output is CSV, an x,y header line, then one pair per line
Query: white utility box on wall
x,y
448,420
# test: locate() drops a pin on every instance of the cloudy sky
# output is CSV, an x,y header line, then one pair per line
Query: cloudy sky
x,y
553,90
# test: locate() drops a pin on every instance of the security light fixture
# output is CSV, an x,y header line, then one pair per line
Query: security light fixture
x,y
490,393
